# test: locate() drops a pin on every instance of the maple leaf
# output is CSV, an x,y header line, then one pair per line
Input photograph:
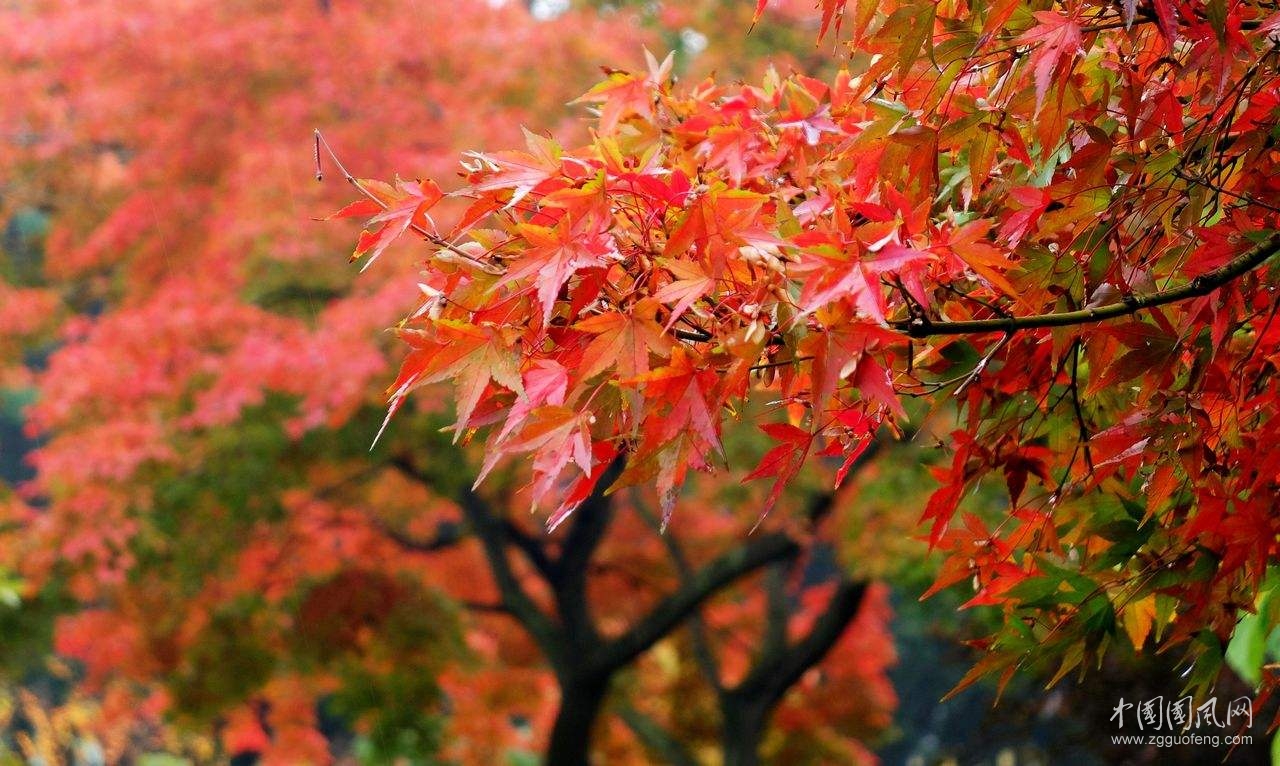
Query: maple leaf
x,y
1058,38
895,257
714,220
521,172
836,273
688,391
624,94
468,354
875,384
557,436
690,284
969,245
544,383
623,341
783,461
832,11
668,467
836,353
1021,462
731,147
852,452
555,254
814,124
759,11
361,208
400,207
1034,202
603,453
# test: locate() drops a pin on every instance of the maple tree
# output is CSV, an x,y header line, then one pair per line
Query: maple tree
x,y
762,616
1059,220
217,549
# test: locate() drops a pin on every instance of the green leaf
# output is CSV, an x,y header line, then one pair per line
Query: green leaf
x,y
1248,649
1255,636
1038,592
1207,663
1099,615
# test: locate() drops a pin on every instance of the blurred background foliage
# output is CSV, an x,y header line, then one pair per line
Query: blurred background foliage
x,y
194,565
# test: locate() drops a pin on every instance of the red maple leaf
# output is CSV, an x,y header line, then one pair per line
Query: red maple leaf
x,y
1058,39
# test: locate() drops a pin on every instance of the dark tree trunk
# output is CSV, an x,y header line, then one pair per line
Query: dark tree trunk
x,y
580,701
742,729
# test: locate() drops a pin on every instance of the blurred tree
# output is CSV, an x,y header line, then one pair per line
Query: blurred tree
x,y
205,515
606,588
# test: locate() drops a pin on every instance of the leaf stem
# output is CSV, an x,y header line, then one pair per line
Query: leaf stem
x,y
431,236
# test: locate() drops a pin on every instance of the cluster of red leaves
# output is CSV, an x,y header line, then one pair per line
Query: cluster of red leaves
x,y
164,157
842,244
549,333
168,145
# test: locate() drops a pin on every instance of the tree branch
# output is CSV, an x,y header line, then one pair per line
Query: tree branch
x,y
531,547
515,599
447,535
923,327
673,610
590,521
697,335
490,528
569,580
776,672
703,653
484,607
777,610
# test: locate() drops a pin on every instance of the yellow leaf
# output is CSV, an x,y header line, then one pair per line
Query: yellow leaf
x,y
1138,618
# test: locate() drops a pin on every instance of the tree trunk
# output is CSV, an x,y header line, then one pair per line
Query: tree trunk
x,y
741,731
580,701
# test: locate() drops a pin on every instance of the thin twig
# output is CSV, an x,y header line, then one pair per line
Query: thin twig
x,y
430,236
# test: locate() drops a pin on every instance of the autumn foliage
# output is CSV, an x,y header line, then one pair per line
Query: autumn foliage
x,y
1058,221
227,568
1040,236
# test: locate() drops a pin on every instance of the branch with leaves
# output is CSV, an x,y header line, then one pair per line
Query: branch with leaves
x,y
1129,304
